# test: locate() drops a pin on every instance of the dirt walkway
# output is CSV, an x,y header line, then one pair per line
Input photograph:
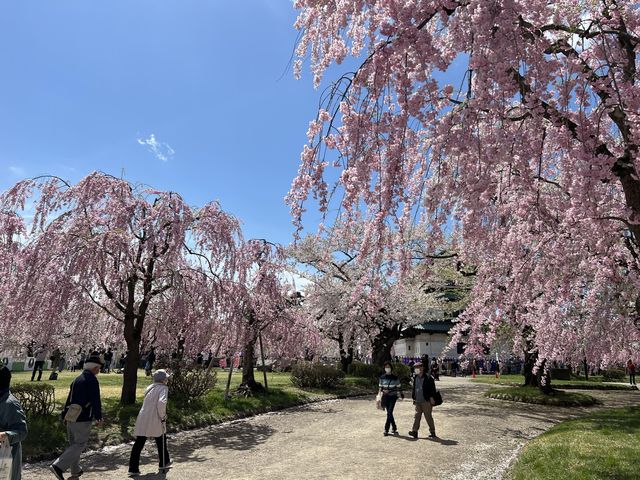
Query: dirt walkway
x,y
343,439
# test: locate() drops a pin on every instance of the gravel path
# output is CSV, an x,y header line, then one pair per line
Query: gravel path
x,y
342,439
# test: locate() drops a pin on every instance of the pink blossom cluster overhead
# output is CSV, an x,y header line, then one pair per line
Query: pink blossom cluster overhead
x,y
104,261
528,160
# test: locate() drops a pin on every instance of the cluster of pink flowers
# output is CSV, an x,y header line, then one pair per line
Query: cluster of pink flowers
x,y
107,262
529,166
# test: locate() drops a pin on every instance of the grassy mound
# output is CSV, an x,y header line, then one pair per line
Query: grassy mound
x,y
594,383
534,395
603,445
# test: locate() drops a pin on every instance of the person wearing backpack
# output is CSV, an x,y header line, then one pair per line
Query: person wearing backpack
x,y
13,423
152,423
423,395
82,407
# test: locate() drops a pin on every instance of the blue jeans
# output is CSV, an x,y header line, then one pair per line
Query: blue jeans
x,y
389,402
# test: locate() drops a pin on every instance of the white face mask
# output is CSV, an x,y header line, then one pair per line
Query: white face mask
x,y
388,370
418,371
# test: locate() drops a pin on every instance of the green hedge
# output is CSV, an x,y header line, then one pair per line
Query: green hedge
x,y
365,370
613,374
188,383
316,375
534,395
37,399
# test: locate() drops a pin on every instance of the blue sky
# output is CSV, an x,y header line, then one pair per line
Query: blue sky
x,y
192,96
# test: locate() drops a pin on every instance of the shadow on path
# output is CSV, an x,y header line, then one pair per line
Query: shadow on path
x,y
241,436
443,441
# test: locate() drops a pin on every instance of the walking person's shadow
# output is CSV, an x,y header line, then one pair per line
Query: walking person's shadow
x,y
152,476
443,441
439,440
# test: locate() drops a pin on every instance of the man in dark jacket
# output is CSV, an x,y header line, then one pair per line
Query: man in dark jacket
x,y
85,391
424,389
13,423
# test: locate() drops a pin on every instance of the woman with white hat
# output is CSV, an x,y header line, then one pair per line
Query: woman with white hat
x,y
152,423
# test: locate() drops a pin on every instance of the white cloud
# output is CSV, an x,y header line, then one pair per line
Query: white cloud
x,y
161,150
17,171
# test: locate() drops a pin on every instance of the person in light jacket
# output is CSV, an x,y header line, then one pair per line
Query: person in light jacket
x,y
152,423
13,423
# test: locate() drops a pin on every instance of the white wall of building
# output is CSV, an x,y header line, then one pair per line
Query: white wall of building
x,y
432,344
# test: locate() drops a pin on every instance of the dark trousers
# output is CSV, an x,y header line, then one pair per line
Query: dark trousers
x,y
632,378
38,366
163,453
389,402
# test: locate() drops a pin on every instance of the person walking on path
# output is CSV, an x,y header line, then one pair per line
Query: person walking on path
x,y
435,369
152,423
41,357
85,395
13,423
631,369
424,389
391,389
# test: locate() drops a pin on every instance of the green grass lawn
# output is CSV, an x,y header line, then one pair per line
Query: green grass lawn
x,y
534,395
604,445
514,380
47,434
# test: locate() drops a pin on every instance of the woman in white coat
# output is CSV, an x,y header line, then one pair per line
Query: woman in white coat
x,y
152,423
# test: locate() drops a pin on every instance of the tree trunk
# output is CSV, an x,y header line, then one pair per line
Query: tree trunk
x,y
530,359
346,353
130,377
248,376
535,380
586,369
383,342
130,380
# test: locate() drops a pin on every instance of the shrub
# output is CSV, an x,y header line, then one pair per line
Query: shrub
x,y
191,382
403,372
373,372
365,370
560,374
613,374
315,375
37,399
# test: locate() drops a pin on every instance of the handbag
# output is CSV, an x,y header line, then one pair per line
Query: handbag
x,y
379,401
437,397
6,461
73,410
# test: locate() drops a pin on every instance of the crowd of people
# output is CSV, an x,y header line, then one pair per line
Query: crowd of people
x,y
83,407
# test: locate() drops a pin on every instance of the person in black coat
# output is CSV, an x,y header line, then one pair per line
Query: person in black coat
x,y
424,389
85,392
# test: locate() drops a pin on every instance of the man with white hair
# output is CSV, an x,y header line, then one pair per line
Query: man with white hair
x,y
83,405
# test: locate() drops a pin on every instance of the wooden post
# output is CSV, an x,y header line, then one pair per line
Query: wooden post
x,y
264,366
226,392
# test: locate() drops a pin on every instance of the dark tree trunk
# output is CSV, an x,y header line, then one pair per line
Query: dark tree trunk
x,y
346,353
130,380
248,372
536,380
530,359
383,342
586,369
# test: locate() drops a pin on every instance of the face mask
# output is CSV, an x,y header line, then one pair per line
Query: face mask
x,y
418,371
388,370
